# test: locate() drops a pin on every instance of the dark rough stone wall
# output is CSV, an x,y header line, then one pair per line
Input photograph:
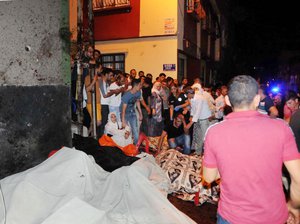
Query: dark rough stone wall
x,y
33,121
34,82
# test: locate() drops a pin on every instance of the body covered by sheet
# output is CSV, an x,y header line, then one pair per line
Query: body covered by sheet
x,y
184,174
130,194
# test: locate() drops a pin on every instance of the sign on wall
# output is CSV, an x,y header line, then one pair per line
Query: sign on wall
x,y
170,26
169,67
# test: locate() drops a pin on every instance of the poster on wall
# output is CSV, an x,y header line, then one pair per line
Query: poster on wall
x,y
170,26
169,67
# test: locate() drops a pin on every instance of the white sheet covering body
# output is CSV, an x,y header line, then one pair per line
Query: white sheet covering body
x,y
131,194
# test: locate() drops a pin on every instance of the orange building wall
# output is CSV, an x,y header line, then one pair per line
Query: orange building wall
x,y
119,25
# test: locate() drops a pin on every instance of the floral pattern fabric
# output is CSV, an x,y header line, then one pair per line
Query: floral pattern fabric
x,y
184,172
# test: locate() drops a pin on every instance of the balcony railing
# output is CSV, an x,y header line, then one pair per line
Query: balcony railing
x,y
111,5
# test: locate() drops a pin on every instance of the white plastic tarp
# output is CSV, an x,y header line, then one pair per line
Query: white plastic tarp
x,y
131,194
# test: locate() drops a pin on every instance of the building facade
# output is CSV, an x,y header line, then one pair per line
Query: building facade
x,y
183,39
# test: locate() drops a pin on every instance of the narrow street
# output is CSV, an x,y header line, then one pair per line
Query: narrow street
x,y
124,111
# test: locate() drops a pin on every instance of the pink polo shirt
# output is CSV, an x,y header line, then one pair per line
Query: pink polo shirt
x,y
249,148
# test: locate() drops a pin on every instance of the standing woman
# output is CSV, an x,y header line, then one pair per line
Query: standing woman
x,y
156,122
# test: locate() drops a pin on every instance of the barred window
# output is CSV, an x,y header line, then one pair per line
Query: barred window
x,y
114,61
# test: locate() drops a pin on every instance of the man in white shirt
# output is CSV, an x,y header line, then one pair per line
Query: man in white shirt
x,y
210,100
115,94
220,103
104,89
200,117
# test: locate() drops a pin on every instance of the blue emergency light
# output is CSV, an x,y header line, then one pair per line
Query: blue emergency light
x,y
275,89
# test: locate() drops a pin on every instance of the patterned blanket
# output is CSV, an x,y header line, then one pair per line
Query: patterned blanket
x,y
184,174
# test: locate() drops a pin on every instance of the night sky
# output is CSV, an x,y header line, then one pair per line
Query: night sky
x,y
259,31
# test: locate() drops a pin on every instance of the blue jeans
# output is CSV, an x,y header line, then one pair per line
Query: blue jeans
x,y
182,140
131,119
221,220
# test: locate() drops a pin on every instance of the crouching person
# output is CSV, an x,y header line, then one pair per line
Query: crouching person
x,y
177,134
118,137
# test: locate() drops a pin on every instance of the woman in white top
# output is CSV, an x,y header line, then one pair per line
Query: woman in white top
x,y
112,126
113,129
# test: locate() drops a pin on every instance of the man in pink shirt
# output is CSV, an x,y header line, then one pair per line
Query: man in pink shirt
x,y
247,151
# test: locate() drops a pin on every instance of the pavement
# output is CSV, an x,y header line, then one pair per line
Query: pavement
x,y
204,214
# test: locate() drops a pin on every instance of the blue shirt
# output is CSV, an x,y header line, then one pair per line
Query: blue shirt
x,y
129,99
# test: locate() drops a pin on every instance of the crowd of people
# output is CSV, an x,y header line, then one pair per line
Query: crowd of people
x,y
181,111
234,126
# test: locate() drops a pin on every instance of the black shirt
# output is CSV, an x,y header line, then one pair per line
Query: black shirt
x,y
266,104
172,131
280,109
177,101
146,91
182,98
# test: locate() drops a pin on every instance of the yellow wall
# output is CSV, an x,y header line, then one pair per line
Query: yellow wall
x,y
147,54
158,17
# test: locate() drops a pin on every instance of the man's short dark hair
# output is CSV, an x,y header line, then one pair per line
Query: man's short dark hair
x,y
178,115
135,82
169,79
106,71
162,74
119,76
242,90
117,72
97,51
148,81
